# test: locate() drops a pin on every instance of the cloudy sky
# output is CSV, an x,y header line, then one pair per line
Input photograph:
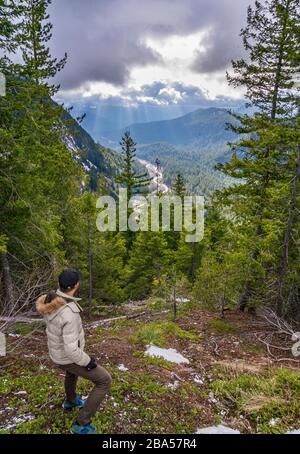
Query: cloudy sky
x,y
148,51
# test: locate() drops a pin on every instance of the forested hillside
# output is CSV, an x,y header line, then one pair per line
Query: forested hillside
x,y
205,126
95,159
194,162
190,145
240,284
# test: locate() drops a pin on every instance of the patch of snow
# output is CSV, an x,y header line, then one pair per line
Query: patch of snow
x,y
173,386
86,167
199,380
12,424
20,393
294,432
211,398
217,430
70,144
90,164
273,422
123,368
168,354
182,300
14,335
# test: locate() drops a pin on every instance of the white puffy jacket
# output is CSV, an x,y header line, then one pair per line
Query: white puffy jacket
x,y
64,329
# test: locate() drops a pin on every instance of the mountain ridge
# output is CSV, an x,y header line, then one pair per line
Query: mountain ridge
x,y
204,125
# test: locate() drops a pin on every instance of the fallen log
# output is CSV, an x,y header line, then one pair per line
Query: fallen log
x,y
20,320
115,319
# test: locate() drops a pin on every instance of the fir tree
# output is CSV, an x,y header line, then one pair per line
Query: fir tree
x,y
35,188
179,186
128,177
35,33
270,38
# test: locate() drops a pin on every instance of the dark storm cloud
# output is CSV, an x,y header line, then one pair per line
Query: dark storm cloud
x,y
106,38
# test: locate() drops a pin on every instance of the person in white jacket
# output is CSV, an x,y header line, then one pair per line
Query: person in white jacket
x,y
65,335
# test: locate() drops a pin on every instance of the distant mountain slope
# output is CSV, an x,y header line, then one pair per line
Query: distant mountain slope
x,y
190,145
204,126
94,158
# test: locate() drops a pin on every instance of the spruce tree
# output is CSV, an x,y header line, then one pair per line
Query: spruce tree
x,y
128,178
270,38
35,188
148,261
35,33
179,186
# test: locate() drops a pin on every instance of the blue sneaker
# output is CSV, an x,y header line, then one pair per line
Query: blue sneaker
x,y
87,429
79,403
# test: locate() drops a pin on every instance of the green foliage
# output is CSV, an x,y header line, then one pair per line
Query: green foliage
x,y
262,398
147,260
128,178
33,34
158,333
194,162
179,186
251,233
221,327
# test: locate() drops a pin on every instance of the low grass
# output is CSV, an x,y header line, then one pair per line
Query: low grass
x,y
23,329
221,327
158,333
138,403
271,396
154,361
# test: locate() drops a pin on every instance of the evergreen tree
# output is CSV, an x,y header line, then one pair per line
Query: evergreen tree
x,y
131,181
99,255
35,188
128,178
9,12
260,157
35,33
148,261
158,177
179,186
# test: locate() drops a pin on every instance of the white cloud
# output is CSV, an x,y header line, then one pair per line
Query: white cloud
x,y
124,44
178,54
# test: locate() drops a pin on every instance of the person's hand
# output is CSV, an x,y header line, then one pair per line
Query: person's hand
x,y
91,365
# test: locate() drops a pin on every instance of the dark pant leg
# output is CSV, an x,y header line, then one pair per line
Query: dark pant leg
x,y
102,381
70,386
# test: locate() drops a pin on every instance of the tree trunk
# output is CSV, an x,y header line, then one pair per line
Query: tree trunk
x,y
7,282
245,296
247,289
174,302
284,260
90,262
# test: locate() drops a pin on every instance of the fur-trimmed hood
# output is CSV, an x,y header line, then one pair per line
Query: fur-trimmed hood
x,y
58,301
50,308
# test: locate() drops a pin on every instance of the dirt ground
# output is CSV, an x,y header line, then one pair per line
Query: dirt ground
x,y
240,373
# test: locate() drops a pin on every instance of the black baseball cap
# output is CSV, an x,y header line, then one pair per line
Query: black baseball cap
x,y
69,278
